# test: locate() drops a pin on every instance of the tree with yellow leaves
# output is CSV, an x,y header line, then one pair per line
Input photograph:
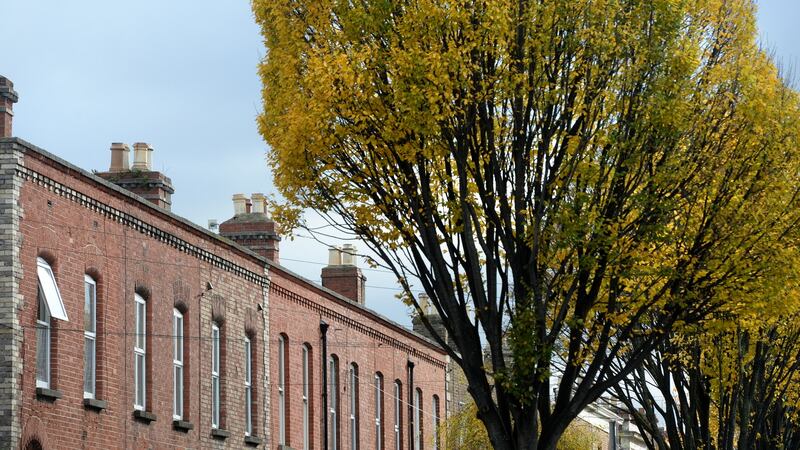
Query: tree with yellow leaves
x,y
568,181
463,431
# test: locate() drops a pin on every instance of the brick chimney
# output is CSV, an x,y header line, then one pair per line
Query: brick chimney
x,y
8,96
342,274
140,179
252,227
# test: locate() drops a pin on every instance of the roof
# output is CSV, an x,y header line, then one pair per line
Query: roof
x,y
204,233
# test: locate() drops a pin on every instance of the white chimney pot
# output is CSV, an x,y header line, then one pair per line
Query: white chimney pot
x,y
334,256
120,157
425,303
239,204
142,156
259,203
349,255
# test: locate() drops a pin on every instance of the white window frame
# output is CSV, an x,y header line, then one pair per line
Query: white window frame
x,y
354,409
333,400
306,357
90,336
177,364
398,415
378,411
140,354
52,295
248,387
417,419
436,421
215,376
43,338
281,390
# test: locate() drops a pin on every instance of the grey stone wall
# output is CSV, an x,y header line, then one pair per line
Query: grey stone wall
x,y
11,300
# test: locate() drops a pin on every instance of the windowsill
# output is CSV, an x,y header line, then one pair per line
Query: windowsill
x,y
95,404
284,447
182,425
219,433
47,394
144,416
253,440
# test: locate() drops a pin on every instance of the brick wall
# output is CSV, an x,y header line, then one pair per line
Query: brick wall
x,y
170,264
354,336
82,225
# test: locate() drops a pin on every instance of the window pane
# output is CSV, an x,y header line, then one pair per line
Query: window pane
x,y
247,362
47,282
305,399
215,402
178,392
417,419
436,423
88,367
248,409
140,381
140,325
215,349
178,340
42,354
89,306
44,313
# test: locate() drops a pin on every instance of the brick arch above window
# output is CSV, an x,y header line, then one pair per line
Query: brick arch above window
x,y
218,309
181,305
49,257
252,319
94,272
142,290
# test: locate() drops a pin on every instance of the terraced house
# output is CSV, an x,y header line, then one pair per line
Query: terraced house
x,y
125,326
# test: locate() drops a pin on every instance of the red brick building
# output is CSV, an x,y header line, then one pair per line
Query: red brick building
x,y
125,326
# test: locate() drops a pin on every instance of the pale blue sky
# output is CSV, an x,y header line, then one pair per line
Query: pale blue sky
x,y
181,75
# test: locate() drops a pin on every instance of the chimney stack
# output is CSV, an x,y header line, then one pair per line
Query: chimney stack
x,y
120,157
343,276
140,179
251,227
8,96
433,319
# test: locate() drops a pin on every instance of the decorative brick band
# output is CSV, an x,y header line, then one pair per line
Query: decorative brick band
x,y
184,246
139,225
356,325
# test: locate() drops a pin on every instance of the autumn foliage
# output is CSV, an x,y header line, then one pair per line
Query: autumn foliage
x,y
571,182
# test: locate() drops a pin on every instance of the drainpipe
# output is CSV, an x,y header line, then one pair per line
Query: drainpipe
x,y
323,331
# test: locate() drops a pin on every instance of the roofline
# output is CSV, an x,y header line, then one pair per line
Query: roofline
x,y
350,303
193,227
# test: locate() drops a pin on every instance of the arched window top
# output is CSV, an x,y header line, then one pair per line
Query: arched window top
x,y
92,274
142,291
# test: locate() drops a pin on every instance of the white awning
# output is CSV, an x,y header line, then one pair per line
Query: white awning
x,y
52,295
